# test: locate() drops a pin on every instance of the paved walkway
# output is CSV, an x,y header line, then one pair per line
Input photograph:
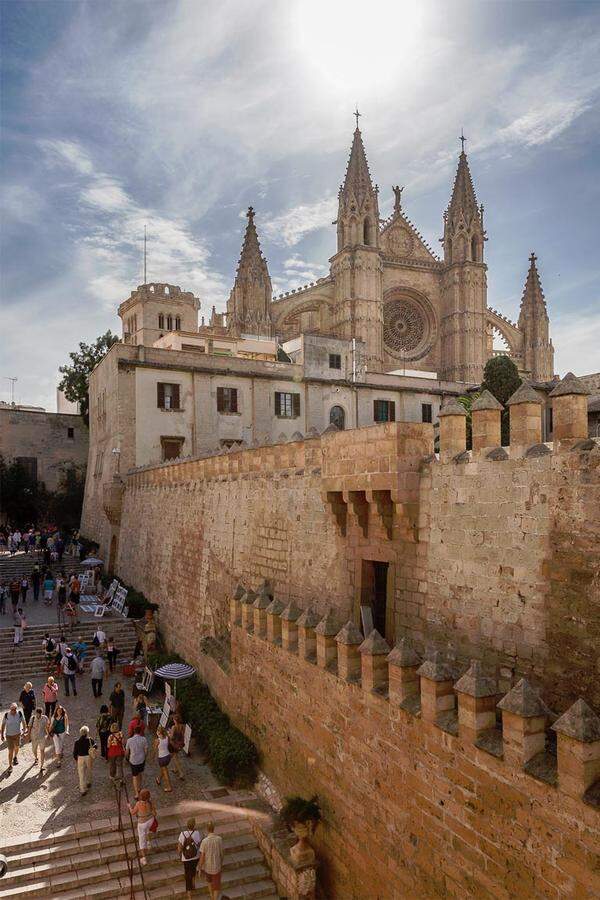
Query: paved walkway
x,y
30,803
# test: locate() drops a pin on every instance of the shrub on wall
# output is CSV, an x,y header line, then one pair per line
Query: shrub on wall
x,y
232,756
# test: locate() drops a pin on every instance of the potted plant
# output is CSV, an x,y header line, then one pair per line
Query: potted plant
x,y
302,816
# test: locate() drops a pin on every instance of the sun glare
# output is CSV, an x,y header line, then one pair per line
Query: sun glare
x,y
358,47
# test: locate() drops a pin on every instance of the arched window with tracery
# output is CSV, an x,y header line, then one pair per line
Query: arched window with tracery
x,y
337,417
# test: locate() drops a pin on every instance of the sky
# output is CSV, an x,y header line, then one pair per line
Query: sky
x,y
179,115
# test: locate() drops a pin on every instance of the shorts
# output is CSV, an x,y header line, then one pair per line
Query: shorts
x,y
214,880
13,741
48,595
137,769
74,597
164,760
190,867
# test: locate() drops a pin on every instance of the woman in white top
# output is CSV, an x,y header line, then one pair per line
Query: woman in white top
x,y
162,751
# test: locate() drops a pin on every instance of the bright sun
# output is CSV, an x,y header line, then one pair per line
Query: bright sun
x,y
359,48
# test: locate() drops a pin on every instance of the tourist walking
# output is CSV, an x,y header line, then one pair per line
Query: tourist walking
x,y
27,701
14,589
79,648
211,860
111,652
177,743
103,723
36,577
162,752
50,695
75,586
99,638
188,846
145,811
18,625
115,752
13,725
61,594
24,588
48,588
3,597
38,735
137,723
49,648
136,750
59,726
84,751
117,704
98,670
68,665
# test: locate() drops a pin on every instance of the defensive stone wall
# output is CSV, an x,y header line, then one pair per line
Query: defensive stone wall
x,y
430,786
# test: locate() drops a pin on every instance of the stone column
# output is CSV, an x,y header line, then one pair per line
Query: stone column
x,y
247,611
437,692
477,695
274,610
325,632
374,652
525,408
289,628
485,419
348,641
453,429
403,664
307,639
578,747
523,723
260,607
569,409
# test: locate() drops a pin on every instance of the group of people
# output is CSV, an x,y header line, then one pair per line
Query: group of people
x,y
38,540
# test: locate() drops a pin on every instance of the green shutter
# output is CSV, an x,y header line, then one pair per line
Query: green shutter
x,y
296,405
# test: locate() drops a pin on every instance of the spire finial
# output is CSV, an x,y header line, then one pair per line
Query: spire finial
x,y
532,258
462,140
357,114
250,214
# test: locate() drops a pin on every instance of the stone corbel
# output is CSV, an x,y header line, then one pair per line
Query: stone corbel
x,y
357,501
382,503
338,506
112,499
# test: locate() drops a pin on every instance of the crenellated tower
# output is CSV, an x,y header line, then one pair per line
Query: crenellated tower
x,y
464,283
357,267
249,303
537,350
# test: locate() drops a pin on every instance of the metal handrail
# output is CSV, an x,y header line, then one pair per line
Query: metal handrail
x,y
119,788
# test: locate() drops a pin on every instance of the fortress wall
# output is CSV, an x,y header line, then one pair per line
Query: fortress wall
x,y
410,809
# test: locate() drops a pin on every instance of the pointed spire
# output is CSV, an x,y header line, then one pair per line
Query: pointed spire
x,y
538,353
358,178
248,307
463,198
579,722
358,210
533,300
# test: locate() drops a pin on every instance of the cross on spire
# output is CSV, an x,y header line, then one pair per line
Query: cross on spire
x,y
462,140
250,213
532,258
357,115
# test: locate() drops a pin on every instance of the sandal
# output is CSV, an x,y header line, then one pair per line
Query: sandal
x,y
157,779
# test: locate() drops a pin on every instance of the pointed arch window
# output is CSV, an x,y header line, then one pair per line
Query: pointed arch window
x,y
177,323
337,417
368,233
161,320
169,323
475,249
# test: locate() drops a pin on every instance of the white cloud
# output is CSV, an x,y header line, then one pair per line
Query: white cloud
x,y
289,227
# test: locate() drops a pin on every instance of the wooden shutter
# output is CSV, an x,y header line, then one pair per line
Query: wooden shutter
x,y
392,409
234,405
296,405
175,397
160,395
277,403
376,410
220,399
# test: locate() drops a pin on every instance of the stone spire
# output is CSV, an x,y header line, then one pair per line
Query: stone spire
x,y
249,304
463,220
358,211
537,349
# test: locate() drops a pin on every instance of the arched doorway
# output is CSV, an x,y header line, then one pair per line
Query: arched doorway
x,y
337,417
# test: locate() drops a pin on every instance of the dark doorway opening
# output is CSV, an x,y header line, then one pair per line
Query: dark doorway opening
x,y
374,592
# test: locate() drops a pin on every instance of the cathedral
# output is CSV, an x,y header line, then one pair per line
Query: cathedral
x,y
387,288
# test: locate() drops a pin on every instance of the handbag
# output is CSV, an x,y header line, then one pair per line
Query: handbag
x,y
154,826
92,752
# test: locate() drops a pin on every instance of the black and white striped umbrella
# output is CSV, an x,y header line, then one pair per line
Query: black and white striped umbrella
x,y
175,672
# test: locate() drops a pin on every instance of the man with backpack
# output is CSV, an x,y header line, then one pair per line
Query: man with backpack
x,y
13,725
68,665
49,648
188,847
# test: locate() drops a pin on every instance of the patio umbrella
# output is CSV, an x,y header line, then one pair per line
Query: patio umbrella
x,y
175,672
92,561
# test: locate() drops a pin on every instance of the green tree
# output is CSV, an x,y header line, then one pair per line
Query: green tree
x,y
467,401
22,498
501,378
65,505
76,377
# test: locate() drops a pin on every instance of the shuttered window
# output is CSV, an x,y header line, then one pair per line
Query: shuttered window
x,y
384,411
426,412
287,406
227,400
167,396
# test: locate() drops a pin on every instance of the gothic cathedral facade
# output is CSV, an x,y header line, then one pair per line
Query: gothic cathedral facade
x,y
387,288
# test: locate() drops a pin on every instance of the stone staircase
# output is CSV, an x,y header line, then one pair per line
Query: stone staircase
x,y
22,564
88,860
28,659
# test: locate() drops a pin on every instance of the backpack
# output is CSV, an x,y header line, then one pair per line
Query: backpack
x,y
71,663
189,848
49,645
95,641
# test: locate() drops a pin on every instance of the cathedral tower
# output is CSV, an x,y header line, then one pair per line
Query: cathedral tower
x,y
537,349
464,283
357,266
249,304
